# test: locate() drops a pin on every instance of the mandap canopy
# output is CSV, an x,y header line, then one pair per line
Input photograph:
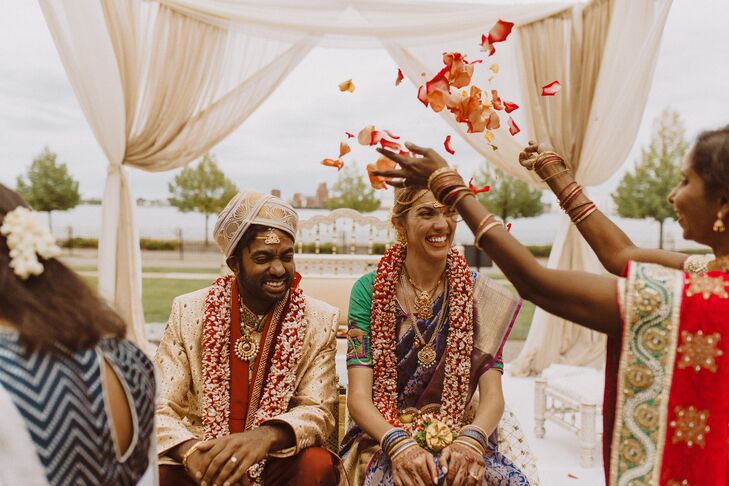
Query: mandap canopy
x,y
161,82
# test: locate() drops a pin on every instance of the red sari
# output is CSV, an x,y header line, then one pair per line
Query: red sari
x,y
666,413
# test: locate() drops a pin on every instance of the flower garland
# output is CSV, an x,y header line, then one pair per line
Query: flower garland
x,y
456,384
216,362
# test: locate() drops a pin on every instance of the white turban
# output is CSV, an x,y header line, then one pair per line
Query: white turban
x,y
248,208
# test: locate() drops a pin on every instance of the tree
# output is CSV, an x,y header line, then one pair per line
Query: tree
x,y
643,193
203,189
352,191
508,197
49,186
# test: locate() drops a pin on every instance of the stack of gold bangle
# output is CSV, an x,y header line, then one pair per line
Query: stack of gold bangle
x,y
189,453
550,165
473,437
447,186
484,227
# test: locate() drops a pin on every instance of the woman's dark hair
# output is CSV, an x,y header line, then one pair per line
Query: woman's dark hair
x,y
710,160
55,307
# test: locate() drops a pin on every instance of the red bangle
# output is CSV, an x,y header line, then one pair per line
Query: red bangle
x,y
559,194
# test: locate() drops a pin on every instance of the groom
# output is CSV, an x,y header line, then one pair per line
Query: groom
x,y
247,365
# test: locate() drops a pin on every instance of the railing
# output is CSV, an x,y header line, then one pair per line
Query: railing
x,y
344,228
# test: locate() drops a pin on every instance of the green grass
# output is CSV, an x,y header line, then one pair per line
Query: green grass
x,y
157,294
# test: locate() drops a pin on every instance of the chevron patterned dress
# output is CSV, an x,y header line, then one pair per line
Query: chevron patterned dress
x,y
60,397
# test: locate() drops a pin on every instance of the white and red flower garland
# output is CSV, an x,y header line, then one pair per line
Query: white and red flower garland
x,y
216,362
456,384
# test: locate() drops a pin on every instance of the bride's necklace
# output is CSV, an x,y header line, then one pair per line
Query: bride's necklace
x,y
423,298
426,354
246,347
720,263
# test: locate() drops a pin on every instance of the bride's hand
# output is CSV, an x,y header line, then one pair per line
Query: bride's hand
x,y
414,171
415,466
464,466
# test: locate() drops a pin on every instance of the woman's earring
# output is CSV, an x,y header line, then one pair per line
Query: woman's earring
x,y
401,239
719,226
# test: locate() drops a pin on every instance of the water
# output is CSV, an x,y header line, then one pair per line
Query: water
x,y
165,222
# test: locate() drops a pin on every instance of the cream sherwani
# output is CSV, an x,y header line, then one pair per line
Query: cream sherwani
x,y
179,362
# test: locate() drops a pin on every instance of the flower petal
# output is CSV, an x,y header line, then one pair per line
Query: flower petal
x,y
399,78
494,68
347,85
477,190
338,163
344,149
496,101
389,144
508,227
513,128
509,106
447,145
349,135
391,135
551,89
500,31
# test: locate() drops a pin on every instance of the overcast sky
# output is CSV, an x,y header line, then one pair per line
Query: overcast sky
x,y
281,144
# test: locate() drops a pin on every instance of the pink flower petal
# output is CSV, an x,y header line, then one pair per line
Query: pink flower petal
x,y
513,128
364,137
509,106
447,145
551,89
399,78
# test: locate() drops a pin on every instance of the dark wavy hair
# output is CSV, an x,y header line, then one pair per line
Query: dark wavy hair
x,y
710,160
54,308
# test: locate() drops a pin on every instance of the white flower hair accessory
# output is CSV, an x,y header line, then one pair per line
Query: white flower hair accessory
x,y
27,239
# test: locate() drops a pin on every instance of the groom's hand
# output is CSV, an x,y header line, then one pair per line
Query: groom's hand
x,y
226,460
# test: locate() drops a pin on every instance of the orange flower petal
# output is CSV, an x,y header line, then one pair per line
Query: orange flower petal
x,y
344,149
347,85
496,101
338,163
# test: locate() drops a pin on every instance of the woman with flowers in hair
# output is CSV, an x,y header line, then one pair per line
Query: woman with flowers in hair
x,y
76,398
666,384
425,340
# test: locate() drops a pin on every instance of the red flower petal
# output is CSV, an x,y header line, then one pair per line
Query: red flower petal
x,y
513,128
509,106
338,163
486,46
399,78
447,145
477,190
496,101
508,227
391,135
500,31
551,89
422,95
344,149
389,144
349,135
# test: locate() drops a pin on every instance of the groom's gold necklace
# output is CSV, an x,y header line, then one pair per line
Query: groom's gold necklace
x,y
246,347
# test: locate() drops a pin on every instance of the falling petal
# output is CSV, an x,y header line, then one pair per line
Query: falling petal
x,y
496,101
338,163
494,68
500,31
391,135
509,106
513,128
551,89
489,136
399,78
389,144
349,135
344,149
477,190
347,85
447,145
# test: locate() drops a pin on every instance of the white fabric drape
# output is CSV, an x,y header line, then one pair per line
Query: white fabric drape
x,y
609,55
162,82
158,89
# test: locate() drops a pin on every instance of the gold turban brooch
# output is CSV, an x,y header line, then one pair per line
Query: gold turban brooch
x,y
249,208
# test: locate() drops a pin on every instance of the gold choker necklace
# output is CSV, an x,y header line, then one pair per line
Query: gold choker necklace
x,y
423,299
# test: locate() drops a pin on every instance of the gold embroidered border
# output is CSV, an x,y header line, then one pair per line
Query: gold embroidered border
x,y
650,337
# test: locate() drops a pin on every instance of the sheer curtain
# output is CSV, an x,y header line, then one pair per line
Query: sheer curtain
x,y
162,82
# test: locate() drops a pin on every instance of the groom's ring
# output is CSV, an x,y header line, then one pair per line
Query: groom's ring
x,y
473,476
233,459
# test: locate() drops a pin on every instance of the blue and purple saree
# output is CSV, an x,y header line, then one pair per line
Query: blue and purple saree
x,y
420,389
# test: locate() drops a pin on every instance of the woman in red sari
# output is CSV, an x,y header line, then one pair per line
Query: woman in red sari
x,y
667,387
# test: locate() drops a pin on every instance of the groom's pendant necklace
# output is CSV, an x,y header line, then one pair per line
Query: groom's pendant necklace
x,y
246,347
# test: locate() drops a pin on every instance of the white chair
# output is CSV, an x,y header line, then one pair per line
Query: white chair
x,y
571,397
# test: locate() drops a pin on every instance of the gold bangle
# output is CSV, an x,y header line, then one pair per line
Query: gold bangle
x,y
555,175
437,173
470,441
189,452
459,198
471,446
585,215
476,428
485,230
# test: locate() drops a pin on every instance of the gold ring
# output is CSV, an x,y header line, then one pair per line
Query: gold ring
x,y
473,476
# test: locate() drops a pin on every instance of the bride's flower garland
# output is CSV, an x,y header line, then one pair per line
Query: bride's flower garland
x,y
216,362
456,384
